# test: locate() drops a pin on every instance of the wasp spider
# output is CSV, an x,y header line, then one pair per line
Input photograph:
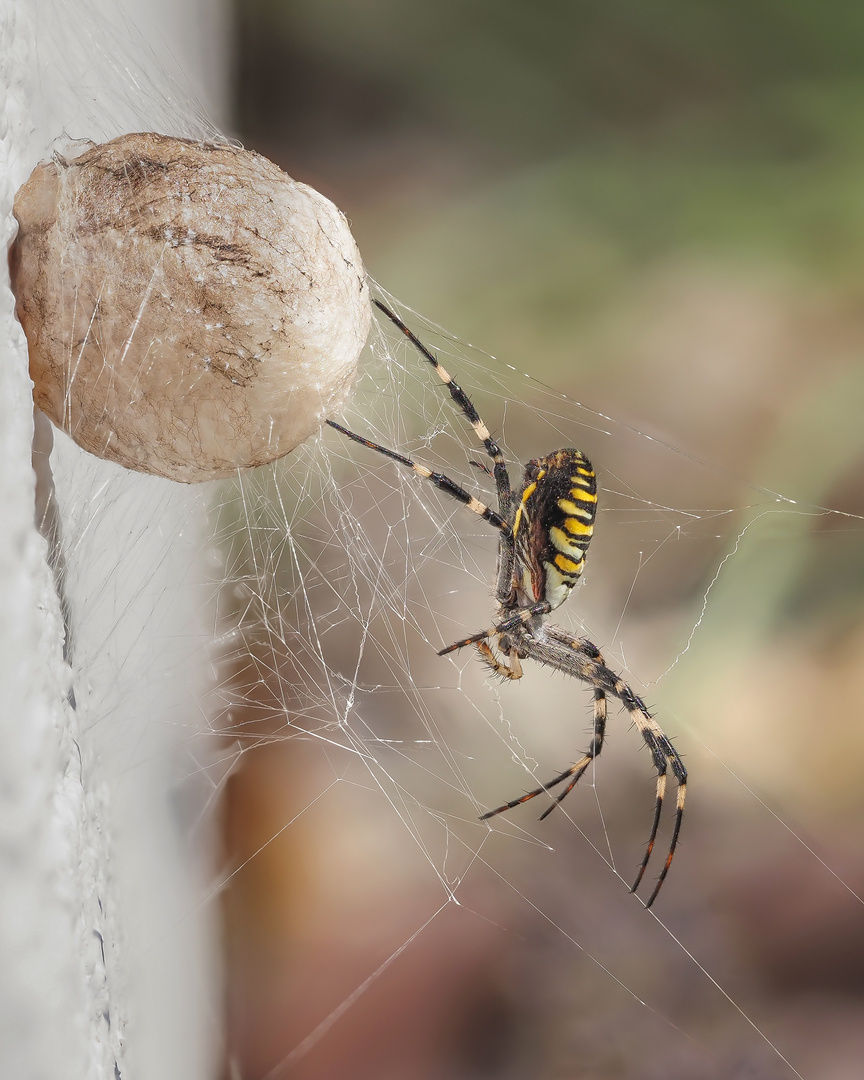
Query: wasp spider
x,y
544,531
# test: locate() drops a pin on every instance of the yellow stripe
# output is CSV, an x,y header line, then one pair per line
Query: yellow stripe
x,y
568,565
578,528
560,539
526,495
585,496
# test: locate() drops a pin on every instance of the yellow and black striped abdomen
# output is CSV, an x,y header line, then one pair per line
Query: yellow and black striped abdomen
x,y
554,523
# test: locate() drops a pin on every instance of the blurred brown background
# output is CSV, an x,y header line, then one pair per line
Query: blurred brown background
x,y
658,209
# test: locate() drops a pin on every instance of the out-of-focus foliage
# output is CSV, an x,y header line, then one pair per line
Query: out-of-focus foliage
x,y
636,131
554,179
536,78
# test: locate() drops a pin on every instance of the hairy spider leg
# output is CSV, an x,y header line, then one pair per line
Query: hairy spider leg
x,y
506,546
506,549
511,670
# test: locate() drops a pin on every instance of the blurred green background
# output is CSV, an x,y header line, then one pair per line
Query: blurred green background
x,y
659,209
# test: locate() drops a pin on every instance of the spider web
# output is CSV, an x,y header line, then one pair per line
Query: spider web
x,y
333,578
347,573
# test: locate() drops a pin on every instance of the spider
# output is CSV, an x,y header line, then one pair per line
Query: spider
x,y
544,531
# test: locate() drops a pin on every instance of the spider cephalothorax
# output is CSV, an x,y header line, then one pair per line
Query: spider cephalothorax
x,y
544,531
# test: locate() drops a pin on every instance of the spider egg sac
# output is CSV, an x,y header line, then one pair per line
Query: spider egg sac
x,y
189,309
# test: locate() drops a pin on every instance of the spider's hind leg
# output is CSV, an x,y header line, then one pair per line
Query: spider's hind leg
x,y
665,756
592,752
582,659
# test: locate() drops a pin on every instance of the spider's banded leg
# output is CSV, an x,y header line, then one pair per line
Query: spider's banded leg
x,y
507,550
444,483
573,774
461,399
591,753
665,755
582,659
524,615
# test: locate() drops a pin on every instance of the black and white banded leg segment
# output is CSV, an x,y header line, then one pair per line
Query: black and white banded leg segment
x,y
506,551
440,480
665,757
466,405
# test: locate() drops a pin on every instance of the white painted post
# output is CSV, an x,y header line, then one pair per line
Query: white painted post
x,y
107,950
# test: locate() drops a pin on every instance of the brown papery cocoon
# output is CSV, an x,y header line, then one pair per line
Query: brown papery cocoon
x,y
190,309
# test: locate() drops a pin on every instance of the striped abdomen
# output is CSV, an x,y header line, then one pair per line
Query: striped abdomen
x,y
554,523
